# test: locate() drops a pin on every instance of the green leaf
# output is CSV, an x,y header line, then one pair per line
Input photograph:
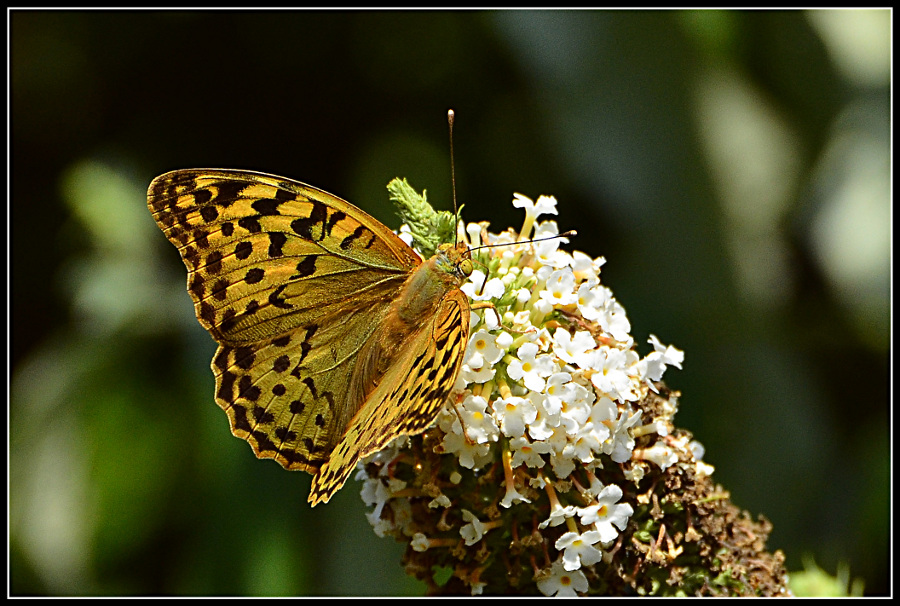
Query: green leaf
x,y
429,228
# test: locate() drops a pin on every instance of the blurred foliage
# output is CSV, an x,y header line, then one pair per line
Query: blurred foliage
x,y
732,166
812,581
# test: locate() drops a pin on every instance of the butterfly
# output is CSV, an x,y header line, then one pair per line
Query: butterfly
x,y
334,336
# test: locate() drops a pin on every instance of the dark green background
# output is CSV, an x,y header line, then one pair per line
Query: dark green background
x,y
124,477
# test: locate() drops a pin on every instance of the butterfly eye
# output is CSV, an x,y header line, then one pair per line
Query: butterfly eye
x,y
466,267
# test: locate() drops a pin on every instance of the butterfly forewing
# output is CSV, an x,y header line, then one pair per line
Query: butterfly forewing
x,y
292,282
266,254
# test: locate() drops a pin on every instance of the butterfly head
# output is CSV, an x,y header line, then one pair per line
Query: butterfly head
x,y
455,260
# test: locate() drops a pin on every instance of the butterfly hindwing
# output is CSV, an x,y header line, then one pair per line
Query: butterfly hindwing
x,y
407,399
285,396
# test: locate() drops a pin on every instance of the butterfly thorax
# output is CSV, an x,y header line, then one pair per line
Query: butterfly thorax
x,y
425,287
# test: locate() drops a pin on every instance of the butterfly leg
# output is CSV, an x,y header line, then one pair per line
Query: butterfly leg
x,y
455,401
487,305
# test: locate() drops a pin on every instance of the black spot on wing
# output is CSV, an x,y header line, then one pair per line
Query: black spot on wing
x,y
306,267
202,197
277,241
277,300
209,213
243,250
214,262
358,233
228,320
304,226
244,357
220,289
251,224
281,364
254,275
247,390
227,192
282,341
267,206
285,435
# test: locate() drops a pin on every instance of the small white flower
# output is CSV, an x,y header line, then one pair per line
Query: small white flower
x,y
477,587
561,582
401,511
575,410
558,442
585,268
375,494
528,452
420,542
482,352
515,414
441,500
603,418
671,356
559,388
473,230
615,322
531,368
512,496
558,515
697,449
634,473
540,309
584,443
479,290
381,527
487,347
547,251
559,290
660,454
471,376
607,512
478,422
654,364
545,205
523,295
574,350
578,549
546,421
610,376
470,455
621,443
563,462
597,304
474,530
587,301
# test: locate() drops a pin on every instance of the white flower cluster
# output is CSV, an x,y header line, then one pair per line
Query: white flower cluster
x,y
549,383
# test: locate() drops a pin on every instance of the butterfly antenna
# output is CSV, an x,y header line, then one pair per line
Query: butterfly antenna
x,y
450,116
566,234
